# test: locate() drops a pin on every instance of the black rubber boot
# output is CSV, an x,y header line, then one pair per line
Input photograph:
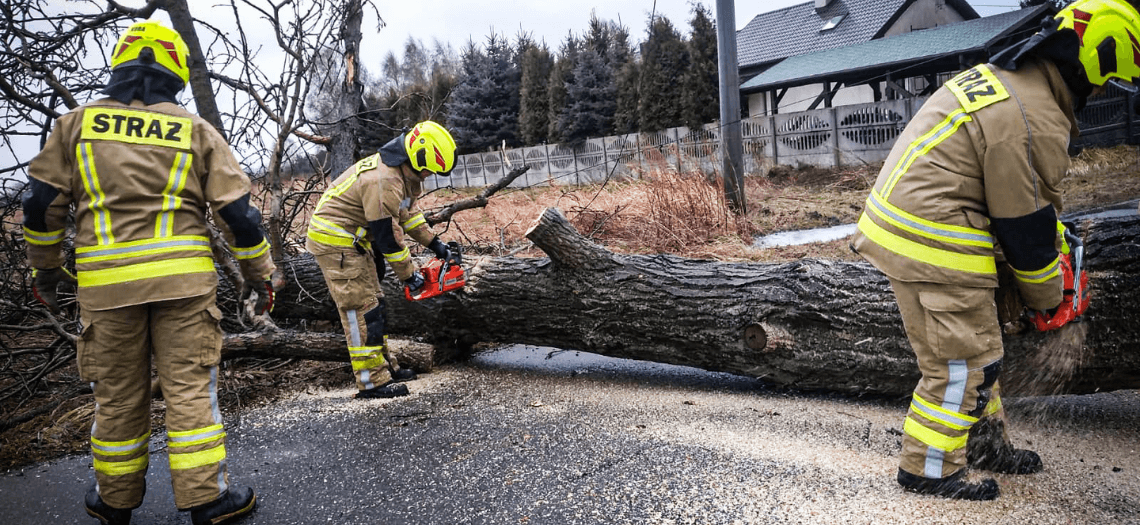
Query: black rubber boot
x,y
106,514
987,449
387,390
403,374
951,486
236,502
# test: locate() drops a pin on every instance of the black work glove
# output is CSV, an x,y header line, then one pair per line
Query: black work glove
x,y
45,282
265,295
415,282
442,251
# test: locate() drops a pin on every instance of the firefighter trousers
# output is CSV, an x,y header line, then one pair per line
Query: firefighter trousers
x,y
354,286
114,353
955,335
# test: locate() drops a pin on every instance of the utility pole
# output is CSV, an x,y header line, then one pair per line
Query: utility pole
x,y
731,140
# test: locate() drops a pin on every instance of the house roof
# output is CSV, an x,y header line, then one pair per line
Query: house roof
x,y
795,30
858,63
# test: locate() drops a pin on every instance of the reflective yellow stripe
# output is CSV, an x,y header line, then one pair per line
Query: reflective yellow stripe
x,y
188,438
252,252
933,438
947,233
367,363
189,460
119,448
1040,276
401,255
981,264
922,145
336,191
325,238
1061,233
127,250
361,351
416,221
98,200
120,468
994,406
42,238
940,415
149,270
164,225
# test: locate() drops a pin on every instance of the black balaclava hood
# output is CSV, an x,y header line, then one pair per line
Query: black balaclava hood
x,y
393,153
1062,47
143,83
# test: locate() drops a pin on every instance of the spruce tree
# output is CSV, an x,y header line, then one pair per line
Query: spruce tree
x,y
701,83
484,107
590,100
534,97
561,75
665,60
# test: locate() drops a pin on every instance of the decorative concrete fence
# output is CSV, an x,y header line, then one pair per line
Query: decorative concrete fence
x,y
853,135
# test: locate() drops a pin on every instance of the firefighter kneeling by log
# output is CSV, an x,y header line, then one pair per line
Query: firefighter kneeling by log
x,y
358,224
980,166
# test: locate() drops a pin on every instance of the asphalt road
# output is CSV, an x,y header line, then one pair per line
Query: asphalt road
x,y
526,435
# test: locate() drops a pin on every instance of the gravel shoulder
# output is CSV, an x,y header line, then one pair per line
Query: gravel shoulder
x,y
535,435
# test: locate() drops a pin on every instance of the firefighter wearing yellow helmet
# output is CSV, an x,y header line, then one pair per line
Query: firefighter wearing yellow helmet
x,y
358,228
979,167
142,172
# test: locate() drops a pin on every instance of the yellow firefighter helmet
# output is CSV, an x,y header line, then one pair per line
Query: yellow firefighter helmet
x,y
150,44
430,147
1109,31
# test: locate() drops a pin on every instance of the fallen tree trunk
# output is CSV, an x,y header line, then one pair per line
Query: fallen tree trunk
x,y
812,324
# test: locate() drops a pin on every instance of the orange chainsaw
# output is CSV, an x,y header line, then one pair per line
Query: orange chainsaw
x,y
439,277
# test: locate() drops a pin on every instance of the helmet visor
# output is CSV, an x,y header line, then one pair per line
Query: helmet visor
x,y
1119,83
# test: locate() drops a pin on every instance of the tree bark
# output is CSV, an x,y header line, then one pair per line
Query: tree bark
x,y
812,324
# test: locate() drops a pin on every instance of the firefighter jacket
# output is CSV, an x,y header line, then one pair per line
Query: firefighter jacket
x,y
368,193
977,171
141,178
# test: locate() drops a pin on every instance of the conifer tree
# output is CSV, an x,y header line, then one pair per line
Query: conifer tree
x,y
701,82
561,75
590,100
665,60
484,107
534,97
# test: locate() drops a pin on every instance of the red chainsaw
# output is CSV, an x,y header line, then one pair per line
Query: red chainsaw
x,y
439,277
1076,298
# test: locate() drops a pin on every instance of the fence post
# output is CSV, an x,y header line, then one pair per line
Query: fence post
x,y
775,148
577,174
1130,112
833,115
605,158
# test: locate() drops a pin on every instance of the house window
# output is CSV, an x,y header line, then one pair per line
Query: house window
x,y
835,20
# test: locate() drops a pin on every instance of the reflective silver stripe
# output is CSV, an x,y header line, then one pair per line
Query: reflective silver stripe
x,y
939,416
105,449
878,207
35,237
195,437
88,254
171,200
332,227
366,379
1040,275
353,328
948,127
951,401
214,395
934,461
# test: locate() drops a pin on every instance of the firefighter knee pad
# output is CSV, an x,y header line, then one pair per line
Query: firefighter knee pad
x,y
375,321
990,375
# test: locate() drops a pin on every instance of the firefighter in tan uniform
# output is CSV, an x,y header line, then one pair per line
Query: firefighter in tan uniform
x,y
358,225
978,168
142,173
